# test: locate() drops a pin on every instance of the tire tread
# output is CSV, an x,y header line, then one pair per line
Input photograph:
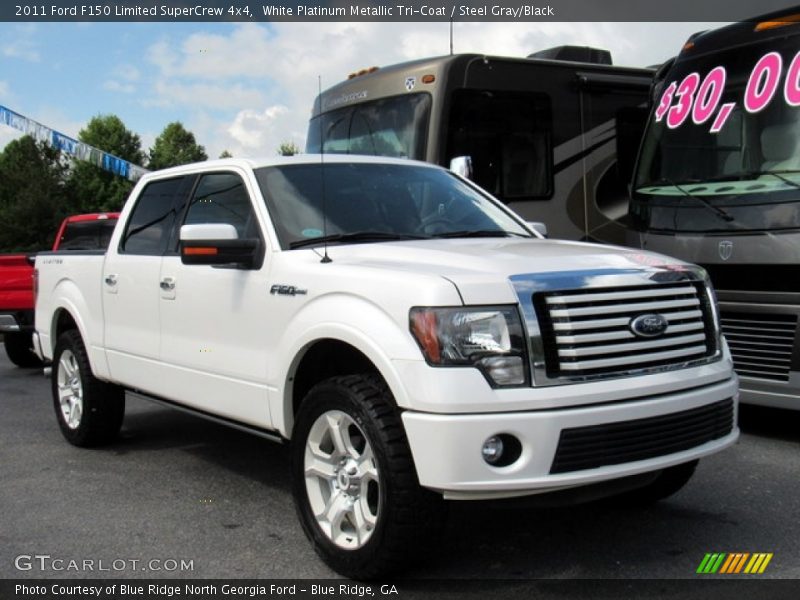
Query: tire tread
x,y
416,517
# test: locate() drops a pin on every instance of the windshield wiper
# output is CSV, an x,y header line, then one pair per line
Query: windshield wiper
x,y
468,233
779,174
712,207
358,236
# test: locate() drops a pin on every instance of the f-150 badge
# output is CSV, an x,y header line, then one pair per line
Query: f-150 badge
x,y
287,290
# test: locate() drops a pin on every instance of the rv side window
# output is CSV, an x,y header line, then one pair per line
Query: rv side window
x,y
508,136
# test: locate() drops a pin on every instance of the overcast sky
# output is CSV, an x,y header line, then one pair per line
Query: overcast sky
x,y
249,87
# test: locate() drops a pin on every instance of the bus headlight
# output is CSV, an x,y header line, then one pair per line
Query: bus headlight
x,y
487,338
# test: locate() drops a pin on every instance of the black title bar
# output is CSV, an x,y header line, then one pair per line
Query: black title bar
x,y
385,10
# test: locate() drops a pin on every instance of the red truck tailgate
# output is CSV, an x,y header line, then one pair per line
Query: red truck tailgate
x,y
16,282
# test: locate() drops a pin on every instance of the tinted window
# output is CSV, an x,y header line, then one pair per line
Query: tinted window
x,y
151,222
222,198
508,136
746,175
406,201
87,235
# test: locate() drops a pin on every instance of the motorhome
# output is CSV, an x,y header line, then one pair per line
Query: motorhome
x,y
553,135
718,184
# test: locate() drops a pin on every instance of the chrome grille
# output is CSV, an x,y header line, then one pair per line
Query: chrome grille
x,y
761,344
588,332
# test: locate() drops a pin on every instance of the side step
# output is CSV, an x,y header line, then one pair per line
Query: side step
x,y
260,432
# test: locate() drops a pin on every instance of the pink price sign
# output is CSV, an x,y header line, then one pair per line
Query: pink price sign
x,y
700,97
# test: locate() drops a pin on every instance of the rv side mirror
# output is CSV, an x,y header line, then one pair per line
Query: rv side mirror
x,y
219,244
462,165
538,227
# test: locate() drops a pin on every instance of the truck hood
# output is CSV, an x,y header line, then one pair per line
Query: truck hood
x,y
481,268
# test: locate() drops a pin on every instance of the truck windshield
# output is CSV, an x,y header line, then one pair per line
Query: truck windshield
x,y
366,202
722,149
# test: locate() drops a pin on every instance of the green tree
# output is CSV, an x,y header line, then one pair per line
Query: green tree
x,y
288,149
94,188
175,146
33,195
226,154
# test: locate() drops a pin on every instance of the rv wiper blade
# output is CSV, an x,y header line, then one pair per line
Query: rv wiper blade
x,y
778,174
668,181
358,236
478,233
712,207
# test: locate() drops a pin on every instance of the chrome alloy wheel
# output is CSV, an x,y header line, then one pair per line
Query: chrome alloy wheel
x,y
70,389
342,480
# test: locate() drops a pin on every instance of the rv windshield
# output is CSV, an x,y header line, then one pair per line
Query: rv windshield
x,y
722,149
395,127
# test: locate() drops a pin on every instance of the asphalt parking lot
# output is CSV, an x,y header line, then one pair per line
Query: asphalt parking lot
x,y
176,488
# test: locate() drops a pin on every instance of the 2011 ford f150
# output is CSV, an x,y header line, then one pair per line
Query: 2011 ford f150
x,y
412,337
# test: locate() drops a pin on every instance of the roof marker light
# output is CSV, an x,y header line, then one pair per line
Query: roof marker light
x,y
788,20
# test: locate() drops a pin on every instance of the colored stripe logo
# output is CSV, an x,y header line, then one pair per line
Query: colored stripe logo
x,y
734,563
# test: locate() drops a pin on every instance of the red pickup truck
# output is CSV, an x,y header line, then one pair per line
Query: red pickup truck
x,y
79,232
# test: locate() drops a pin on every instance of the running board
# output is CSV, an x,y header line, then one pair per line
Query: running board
x,y
260,432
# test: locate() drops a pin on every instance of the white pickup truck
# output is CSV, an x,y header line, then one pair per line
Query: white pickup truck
x,y
412,337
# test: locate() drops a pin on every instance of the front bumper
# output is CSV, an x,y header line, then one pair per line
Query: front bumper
x,y
447,448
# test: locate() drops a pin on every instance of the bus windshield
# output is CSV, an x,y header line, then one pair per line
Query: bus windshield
x,y
721,151
395,127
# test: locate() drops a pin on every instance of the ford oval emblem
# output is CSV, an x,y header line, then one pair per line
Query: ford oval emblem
x,y
649,325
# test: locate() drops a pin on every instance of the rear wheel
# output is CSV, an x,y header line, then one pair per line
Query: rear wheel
x,y
89,411
355,486
19,348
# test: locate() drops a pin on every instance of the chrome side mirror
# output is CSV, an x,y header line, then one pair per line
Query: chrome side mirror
x,y
462,165
538,227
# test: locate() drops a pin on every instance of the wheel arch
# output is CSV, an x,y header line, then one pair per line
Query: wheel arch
x,y
66,317
331,355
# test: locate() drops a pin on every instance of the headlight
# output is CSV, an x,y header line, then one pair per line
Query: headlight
x,y
487,338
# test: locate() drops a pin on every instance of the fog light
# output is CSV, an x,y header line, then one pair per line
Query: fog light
x,y
492,450
501,450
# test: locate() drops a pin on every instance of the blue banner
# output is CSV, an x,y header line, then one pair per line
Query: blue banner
x,y
70,146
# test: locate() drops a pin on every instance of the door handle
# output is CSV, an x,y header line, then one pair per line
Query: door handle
x,y
111,280
167,284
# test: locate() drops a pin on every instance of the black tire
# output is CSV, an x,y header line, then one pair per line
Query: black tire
x,y
19,348
101,405
669,482
407,518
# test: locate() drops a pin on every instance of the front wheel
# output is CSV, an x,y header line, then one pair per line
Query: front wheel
x,y
89,411
355,486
